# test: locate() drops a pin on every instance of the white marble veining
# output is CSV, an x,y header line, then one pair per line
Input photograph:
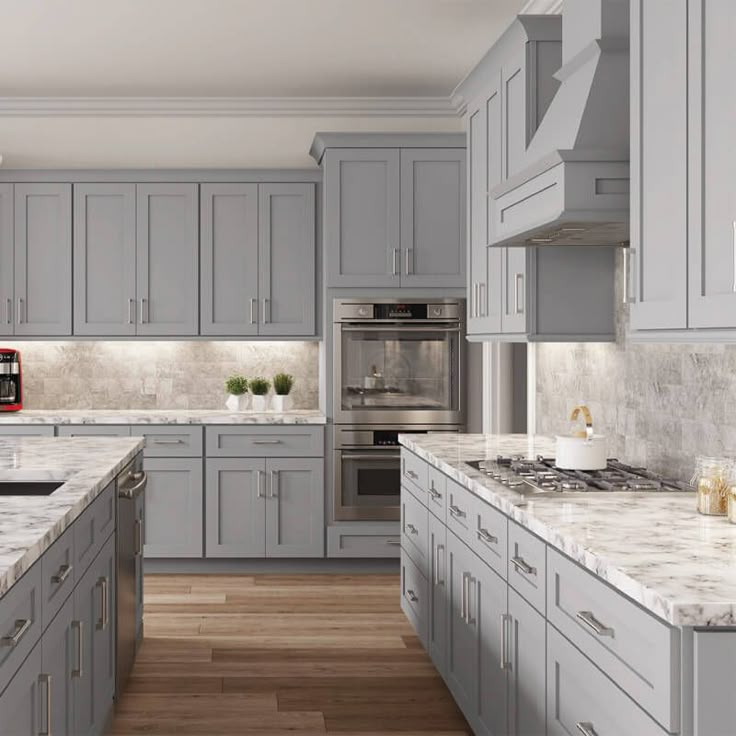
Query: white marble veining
x,y
161,416
30,524
653,547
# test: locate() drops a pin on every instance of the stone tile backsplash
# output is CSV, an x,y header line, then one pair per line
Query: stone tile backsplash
x,y
659,404
158,375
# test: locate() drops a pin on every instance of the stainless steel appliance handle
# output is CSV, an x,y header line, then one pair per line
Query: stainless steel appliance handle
x,y
523,566
135,490
423,327
79,671
437,580
105,604
594,624
273,484
505,621
486,536
21,627
62,574
586,728
367,456
46,679
253,310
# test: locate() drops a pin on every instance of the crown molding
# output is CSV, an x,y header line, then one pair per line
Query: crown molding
x,y
227,106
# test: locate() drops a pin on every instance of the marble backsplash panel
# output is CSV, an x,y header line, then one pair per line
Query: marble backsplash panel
x,y
660,405
158,375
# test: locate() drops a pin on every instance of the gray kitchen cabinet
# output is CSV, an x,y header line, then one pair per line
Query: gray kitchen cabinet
x,y
433,217
286,259
657,270
362,217
515,131
361,539
26,430
514,270
7,293
167,259
174,507
230,260
104,259
438,609
58,661
43,259
526,666
236,509
295,507
19,703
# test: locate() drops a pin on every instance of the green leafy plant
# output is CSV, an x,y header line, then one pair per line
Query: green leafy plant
x,y
236,385
259,386
283,383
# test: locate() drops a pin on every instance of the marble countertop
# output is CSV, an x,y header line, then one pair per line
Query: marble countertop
x,y
30,524
653,547
162,416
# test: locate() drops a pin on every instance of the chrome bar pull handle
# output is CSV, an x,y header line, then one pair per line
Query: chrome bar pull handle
x,y
733,235
273,486
626,297
394,261
258,484
412,474
252,310
62,574
486,536
105,613
131,311
437,580
142,316
21,627
408,255
138,537
594,624
19,311
266,442
523,566
505,621
519,291
412,596
471,619
586,728
266,310
456,511
464,598
46,680
393,543
9,311
79,671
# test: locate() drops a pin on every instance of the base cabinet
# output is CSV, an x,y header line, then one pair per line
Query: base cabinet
x,y
19,701
58,655
437,625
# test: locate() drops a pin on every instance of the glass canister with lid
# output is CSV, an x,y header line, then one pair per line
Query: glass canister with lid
x,y
712,480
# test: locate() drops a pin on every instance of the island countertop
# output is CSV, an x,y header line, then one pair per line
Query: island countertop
x,y
161,416
30,524
653,547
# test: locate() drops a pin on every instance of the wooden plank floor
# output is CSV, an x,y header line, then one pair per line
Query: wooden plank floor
x,y
282,654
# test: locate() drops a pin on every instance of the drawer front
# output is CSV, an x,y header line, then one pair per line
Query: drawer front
x,y
582,700
639,652
58,574
20,622
414,470
460,502
170,441
92,528
437,493
94,430
527,568
291,441
26,430
414,600
489,536
358,543
414,530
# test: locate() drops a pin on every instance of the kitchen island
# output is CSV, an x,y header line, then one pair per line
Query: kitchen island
x,y
58,582
572,612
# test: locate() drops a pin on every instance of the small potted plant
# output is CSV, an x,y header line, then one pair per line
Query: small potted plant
x,y
282,385
259,388
237,389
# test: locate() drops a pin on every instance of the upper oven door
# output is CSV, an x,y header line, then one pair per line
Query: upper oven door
x,y
398,373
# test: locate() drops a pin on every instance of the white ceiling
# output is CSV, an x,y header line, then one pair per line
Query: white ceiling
x,y
244,47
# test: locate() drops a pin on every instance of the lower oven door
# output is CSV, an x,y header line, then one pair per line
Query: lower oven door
x,y
367,484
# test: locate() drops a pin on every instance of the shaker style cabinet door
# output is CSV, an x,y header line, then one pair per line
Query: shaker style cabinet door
x,y
7,293
59,651
438,598
658,255
361,227
514,289
104,259
286,259
230,263
711,29
19,702
167,261
433,217
43,259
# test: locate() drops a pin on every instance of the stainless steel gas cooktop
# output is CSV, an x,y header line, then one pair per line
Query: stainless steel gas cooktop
x,y
542,476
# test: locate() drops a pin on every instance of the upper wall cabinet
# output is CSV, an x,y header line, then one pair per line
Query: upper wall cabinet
x,y
7,292
394,210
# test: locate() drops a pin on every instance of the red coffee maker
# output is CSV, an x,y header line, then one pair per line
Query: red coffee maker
x,y
11,384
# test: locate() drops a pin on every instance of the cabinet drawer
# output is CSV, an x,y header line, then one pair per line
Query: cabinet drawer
x,y
581,699
414,602
437,493
58,574
20,622
489,535
292,441
414,529
94,430
527,565
460,503
415,472
358,542
170,441
92,528
26,430
639,652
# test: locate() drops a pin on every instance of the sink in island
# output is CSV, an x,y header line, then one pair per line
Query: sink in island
x,y
566,613
58,581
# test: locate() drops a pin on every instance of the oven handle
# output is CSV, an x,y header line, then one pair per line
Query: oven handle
x,y
347,454
410,327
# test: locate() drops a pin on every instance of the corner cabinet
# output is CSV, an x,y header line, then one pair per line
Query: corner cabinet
x,y
394,209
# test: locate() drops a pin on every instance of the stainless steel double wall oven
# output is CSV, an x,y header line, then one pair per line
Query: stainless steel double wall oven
x,y
398,367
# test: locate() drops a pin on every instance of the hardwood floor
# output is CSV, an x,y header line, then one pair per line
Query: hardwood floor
x,y
282,654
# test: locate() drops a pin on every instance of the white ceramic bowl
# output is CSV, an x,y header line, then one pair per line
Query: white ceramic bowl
x,y
578,453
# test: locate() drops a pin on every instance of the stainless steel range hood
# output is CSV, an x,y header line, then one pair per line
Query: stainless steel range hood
x,y
574,188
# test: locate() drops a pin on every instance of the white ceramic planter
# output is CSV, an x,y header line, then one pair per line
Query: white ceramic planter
x,y
579,453
237,403
259,403
281,402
